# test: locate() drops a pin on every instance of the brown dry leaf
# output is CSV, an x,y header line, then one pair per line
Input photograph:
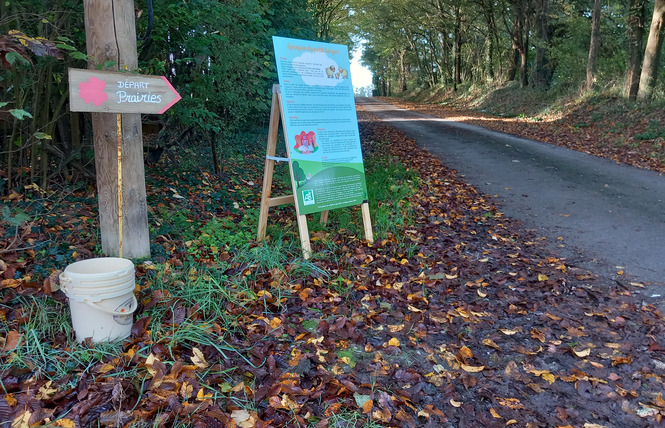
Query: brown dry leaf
x,y
439,318
455,403
508,332
11,341
622,360
512,403
186,390
512,370
395,328
149,364
590,425
491,344
659,401
538,335
553,317
288,404
472,369
465,353
22,420
494,413
275,323
414,309
549,377
202,396
511,422
243,418
332,409
542,277
45,392
105,368
63,423
199,359
481,293
583,353
393,342
367,406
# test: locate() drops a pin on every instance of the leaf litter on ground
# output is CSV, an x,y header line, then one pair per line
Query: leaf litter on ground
x,y
455,317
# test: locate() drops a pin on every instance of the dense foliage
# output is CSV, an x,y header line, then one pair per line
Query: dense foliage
x,y
539,43
217,54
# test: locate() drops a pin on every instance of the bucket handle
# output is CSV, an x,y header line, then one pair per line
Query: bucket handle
x,y
135,305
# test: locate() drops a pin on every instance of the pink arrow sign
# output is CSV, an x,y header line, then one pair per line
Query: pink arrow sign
x,y
113,92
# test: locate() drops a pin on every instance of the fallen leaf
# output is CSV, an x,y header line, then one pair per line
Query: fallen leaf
x,y
583,353
63,423
549,377
202,396
494,413
472,369
11,341
199,359
491,344
455,403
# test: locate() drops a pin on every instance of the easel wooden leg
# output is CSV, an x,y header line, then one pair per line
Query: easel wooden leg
x,y
265,197
269,168
367,222
304,236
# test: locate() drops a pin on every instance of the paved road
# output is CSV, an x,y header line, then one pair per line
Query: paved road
x,y
612,217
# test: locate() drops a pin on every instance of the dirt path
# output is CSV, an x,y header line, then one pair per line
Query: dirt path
x,y
609,215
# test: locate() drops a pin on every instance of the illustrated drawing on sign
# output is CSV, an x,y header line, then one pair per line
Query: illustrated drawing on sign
x,y
306,142
92,91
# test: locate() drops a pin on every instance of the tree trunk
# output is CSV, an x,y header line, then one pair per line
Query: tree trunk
x,y
635,36
594,46
540,72
524,52
111,36
514,63
519,35
458,46
652,53
402,71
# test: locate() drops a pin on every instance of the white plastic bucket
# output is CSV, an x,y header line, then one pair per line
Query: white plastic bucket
x,y
101,297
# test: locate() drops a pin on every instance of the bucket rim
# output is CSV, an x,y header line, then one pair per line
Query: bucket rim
x,y
98,269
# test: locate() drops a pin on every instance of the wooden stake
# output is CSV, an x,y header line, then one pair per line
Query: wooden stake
x,y
367,222
111,37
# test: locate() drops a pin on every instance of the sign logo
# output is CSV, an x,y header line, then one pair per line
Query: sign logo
x,y
308,197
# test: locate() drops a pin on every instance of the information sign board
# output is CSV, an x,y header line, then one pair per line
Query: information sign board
x,y
320,124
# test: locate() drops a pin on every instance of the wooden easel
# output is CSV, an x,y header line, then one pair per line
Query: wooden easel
x,y
277,114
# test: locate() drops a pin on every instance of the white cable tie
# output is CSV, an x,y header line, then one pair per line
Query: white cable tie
x,y
277,159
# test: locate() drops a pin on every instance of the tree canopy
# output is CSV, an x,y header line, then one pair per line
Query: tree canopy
x,y
218,55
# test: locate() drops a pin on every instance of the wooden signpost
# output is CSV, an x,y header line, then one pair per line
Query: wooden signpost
x,y
114,92
321,135
111,39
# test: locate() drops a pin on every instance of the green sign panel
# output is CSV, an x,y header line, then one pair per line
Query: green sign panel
x,y
321,124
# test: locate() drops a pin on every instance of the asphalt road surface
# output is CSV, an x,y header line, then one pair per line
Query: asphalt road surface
x,y
611,217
